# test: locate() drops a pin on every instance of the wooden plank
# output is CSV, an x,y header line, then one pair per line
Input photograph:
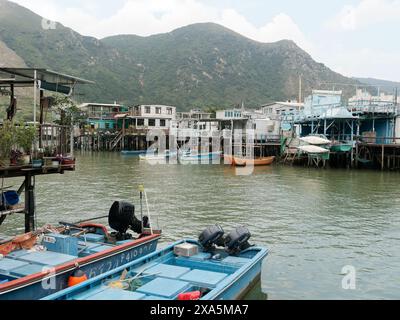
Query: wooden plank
x,y
16,209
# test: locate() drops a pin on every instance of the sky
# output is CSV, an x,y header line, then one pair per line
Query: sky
x,y
357,38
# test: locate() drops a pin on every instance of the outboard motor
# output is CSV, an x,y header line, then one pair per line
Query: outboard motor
x,y
211,237
122,217
238,240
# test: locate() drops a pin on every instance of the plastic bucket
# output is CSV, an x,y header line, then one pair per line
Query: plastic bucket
x,y
10,198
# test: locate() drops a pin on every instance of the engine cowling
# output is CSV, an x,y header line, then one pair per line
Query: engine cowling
x,y
211,237
238,240
122,217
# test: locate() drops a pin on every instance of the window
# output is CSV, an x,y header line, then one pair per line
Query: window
x,y
148,110
152,122
162,123
158,110
169,111
140,122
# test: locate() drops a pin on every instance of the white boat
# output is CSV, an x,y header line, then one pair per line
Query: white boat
x,y
313,149
153,157
315,140
195,157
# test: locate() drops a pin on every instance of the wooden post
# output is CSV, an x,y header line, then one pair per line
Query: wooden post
x,y
29,204
123,134
383,157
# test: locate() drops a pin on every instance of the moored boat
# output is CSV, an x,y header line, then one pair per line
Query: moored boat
x,y
185,270
316,140
243,162
341,147
40,263
133,152
152,157
196,157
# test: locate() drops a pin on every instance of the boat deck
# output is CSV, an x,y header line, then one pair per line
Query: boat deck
x,y
57,250
165,277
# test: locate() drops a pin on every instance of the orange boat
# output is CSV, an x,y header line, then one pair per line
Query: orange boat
x,y
243,162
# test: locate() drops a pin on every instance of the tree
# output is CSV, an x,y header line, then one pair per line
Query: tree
x,y
68,112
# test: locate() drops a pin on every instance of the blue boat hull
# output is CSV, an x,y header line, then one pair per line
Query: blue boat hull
x,y
242,285
199,157
133,153
40,289
169,275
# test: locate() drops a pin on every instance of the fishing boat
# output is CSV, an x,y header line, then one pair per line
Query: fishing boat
x,y
315,153
243,162
341,147
37,264
316,140
133,152
193,157
211,268
154,157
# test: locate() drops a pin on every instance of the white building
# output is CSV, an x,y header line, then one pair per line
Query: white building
x,y
363,97
276,110
240,119
151,117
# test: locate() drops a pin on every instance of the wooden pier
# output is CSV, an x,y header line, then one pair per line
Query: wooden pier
x,y
28,188
383,156
57,140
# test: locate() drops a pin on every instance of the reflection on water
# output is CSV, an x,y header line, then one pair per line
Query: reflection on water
x,y
314,222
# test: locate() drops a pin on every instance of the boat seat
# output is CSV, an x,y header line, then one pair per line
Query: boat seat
x,y
17,254
47,258
167,271
167,288
6,265
237,261
204,278
27,270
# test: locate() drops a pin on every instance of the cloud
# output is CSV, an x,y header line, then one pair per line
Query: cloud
x,y
363,62
281,27
147,17
367,12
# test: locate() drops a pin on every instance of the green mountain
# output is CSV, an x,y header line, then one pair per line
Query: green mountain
x,y
201,65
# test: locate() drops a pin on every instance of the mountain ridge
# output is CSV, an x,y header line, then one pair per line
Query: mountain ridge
x,y
196,66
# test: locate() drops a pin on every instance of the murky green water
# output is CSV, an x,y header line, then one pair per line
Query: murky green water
x,y
314,222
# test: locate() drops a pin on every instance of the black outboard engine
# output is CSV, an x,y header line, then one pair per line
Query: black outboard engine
x,y
238,240
211,237
122,218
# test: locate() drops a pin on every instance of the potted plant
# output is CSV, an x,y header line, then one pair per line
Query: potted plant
x,y
25,137
7,141
37,158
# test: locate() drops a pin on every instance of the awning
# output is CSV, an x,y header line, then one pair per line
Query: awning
x,y
48,80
